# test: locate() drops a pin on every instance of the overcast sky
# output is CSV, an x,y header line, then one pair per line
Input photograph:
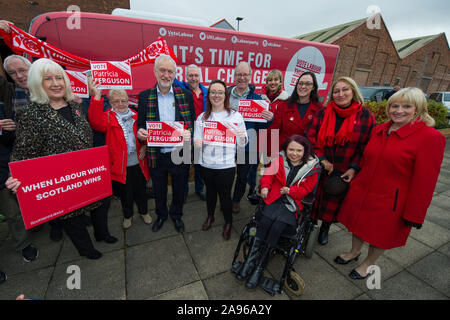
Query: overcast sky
x,y
288,18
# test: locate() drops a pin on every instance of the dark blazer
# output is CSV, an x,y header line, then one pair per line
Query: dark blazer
x,y
6,144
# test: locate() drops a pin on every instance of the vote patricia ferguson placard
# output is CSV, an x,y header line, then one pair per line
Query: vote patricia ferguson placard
x,y
112,74
165,133
78,83
217,133
251,109
56,185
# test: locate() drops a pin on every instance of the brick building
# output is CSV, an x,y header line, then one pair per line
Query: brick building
x,y
370,56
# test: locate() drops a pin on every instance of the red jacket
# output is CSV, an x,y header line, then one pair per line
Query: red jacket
x,y
288,121
396,183
115,140
273,107
275,178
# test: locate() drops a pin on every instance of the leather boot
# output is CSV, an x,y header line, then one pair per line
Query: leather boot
x,y
208,223
254,279
250,263
323,233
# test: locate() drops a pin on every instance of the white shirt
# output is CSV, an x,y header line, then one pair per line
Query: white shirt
x,y
218,157
166,109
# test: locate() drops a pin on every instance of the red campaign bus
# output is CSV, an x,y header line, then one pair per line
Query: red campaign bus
x,y
104,37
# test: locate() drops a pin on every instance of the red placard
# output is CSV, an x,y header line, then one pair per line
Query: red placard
x,y
78,83
219,133
56,185
165,133
112,74
251,109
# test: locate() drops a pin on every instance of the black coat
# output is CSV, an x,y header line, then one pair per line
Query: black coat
x,y
6,144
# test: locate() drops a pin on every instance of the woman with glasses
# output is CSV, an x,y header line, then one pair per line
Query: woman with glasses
x,y
217,160
294,114
128,164
339,134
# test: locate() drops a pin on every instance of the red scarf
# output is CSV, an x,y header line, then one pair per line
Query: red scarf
x,y
21,42
326,136
272,96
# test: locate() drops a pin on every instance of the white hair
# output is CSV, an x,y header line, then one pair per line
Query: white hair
x,y
164,57
35,76
192,66
15,56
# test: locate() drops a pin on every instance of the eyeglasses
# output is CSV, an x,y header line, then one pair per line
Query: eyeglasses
x,y
242,75
217,93
118,101
20,71
306,84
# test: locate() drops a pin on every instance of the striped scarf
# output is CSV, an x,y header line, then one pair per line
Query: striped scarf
x,y
182,113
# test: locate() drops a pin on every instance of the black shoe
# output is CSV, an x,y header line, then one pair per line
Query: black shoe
x,y
339,260
30,253
356,276
93,254
3,277
323,233
201,195
256,277
179,225
158,224
252,258
107,239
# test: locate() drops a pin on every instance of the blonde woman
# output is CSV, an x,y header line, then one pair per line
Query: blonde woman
x,y
395,186
339,134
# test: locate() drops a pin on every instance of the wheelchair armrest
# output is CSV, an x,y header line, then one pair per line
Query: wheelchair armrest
x,y
308,200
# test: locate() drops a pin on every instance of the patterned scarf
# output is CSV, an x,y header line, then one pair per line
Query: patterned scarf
x,y
182,113
327,136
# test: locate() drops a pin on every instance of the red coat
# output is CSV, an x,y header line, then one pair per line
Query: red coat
x,y
396,183
275,178
115,140
273,107
342,157
288,121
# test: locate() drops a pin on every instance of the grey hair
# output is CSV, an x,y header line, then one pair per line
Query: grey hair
x,y
163,57
189,67
244,63
35,76
15,56
119,92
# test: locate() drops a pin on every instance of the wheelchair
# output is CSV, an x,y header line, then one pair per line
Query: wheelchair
x,y
290,246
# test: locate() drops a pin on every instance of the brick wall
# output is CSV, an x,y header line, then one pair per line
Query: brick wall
x,y
370,58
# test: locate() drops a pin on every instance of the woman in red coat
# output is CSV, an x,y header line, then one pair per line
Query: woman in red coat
x,y
289,178
128,164
339,134
395,186
294,115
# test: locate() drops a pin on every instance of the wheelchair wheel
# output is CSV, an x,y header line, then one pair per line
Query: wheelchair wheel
x,y
312,239
295,284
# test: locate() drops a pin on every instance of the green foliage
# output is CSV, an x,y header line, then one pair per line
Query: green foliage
x,y
437,110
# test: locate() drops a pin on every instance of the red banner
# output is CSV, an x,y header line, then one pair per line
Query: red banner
x,y
217,133
21,42
78,83
251,110
165,133
56,185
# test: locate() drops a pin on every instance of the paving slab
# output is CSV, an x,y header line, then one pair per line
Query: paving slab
x,y
100,279
438,216
431,234
192,291
157,267
433,269
412,252
405,286
34,284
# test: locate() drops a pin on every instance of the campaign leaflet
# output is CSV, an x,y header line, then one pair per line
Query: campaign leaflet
x,y
165,133
78,83
251,109
56,185
112,74
217,133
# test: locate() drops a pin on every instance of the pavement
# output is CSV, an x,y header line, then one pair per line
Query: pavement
x,y
195,265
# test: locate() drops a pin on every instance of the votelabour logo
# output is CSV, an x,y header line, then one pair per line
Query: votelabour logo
x,y
162,32
202,36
